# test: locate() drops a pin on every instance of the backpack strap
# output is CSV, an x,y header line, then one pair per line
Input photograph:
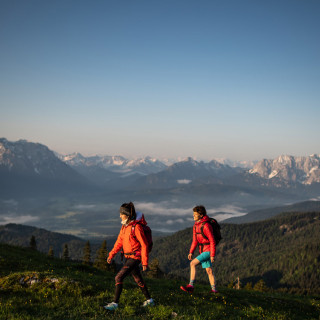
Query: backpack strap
x,y
133,228
202,226
202,233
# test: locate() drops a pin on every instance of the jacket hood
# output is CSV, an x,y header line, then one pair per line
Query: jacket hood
x,y
139,218
204,219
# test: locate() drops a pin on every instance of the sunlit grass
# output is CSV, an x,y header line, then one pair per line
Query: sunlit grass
x,y
43,288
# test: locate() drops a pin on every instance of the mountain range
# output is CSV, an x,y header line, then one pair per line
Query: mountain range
x,y
116,164
36,160
104,170
62,191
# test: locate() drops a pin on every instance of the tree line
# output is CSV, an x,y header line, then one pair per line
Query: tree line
x,y
100,261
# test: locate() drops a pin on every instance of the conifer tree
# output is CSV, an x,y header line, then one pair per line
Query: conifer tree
x,y
65,254
101,260
51,253
154,269
86,254
248,286
33,244
260,286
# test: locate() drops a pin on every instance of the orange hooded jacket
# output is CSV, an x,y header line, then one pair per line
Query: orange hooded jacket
x,y
133,247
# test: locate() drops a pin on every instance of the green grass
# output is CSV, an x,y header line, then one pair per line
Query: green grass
x,y
69,290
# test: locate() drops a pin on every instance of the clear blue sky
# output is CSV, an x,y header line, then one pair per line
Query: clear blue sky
x,y
209,79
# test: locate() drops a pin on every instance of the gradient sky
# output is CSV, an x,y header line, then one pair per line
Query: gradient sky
x,y
209,79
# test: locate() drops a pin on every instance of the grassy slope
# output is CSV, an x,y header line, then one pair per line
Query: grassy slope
x,y
68,290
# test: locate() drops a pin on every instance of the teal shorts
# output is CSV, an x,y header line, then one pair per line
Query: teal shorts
x,y
204,259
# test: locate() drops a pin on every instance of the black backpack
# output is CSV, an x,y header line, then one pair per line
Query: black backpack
x,y
216,230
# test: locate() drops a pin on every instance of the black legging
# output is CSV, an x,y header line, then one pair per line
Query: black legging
x,y
130,266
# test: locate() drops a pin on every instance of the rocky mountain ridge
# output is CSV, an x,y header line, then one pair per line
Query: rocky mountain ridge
x,y
117,164
304,170
34,159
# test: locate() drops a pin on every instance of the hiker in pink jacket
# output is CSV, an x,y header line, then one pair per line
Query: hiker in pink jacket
x,y
204,238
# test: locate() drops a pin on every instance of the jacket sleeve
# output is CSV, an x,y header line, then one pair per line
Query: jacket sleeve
x,y
194,241
117,246
207,230
144,244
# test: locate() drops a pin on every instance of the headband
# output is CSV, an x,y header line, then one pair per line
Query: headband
x,y
125,211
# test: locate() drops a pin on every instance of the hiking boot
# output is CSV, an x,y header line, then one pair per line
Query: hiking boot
x,y
214,290
188,288
111,306
148,303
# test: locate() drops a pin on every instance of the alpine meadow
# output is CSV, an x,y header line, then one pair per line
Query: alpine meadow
x,y
35,286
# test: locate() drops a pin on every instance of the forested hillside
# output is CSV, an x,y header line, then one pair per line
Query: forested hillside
x,y
20,235
283,251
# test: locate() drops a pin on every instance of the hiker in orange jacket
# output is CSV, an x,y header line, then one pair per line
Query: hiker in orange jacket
x,y
135,249
207,248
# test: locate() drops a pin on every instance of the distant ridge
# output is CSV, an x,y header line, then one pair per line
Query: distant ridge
x,y
263,214
184,172
20,235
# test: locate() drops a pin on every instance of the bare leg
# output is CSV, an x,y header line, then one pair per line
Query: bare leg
x,y
193,265
211,277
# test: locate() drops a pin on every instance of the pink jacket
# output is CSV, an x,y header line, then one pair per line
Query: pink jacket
x,y
204,244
